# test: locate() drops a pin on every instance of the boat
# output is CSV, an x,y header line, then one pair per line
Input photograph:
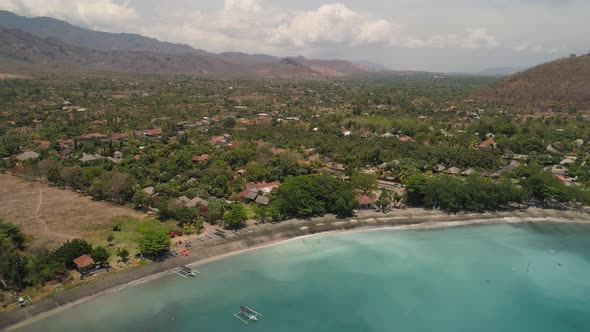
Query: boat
x,y
247,315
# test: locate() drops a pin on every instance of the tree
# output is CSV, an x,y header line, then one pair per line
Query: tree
x,y
100,255
45,266
72,250
186,215
110,238
154,244
168,207
235,217
123,254
13,269
12,232
364,182
141,200
193,227
383,200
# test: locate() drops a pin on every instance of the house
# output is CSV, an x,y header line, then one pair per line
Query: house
x,y
93,136
189,203
388,135
469,172
117,157
89,158
84,263
201,158
406,139
255,190
558,170
219,140
249,194
366,134
454,171
490,143
27,155
43,145
262,200
552,150
118,137
346,132
149,190
153,132
563,179
510,168
365,202
568,160
66,143
277,151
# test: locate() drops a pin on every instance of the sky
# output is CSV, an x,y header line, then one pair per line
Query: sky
x,y
431,35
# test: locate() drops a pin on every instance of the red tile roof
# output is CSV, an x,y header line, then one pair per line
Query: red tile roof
x,y
365,200
562,179
487,143
83,261
203,157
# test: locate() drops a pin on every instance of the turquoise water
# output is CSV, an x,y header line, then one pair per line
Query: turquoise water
x,y
486,278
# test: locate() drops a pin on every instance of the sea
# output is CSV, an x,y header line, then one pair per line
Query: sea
x,y
508,277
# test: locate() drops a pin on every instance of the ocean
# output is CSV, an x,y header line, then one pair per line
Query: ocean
x,y
517,277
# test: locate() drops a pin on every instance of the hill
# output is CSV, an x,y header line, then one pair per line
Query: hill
x,y
564,82
46,27
47,41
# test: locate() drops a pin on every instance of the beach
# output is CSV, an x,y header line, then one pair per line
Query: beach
x,y
269,234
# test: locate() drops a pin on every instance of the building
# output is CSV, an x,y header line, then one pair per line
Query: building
x,y
490,143
258,192
84,263
27,155
365,202
201,158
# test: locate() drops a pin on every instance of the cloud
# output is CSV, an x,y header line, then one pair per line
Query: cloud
x,y
333,24
472,38
479,37
92,13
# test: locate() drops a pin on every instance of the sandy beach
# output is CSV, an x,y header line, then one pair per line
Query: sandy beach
x,y
259,236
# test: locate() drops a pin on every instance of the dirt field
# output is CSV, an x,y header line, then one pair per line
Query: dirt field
x,y
49,213
9,76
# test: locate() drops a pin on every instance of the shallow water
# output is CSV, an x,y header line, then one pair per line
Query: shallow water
x,y
527,277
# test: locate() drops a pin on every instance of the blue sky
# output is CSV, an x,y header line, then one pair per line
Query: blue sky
x,y
435,35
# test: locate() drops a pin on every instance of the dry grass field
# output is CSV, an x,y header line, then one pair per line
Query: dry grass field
x,y
52,214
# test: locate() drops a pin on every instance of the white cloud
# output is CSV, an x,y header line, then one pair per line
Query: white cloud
x,y
93,13
333,24
479,37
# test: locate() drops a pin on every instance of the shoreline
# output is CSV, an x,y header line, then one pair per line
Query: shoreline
x,y
270,235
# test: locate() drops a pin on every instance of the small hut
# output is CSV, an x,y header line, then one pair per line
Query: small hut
x,y
365,202
84,263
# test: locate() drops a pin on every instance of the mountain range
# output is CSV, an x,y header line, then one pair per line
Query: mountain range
x,y
44,40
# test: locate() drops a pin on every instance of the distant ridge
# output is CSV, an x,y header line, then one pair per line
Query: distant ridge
x,y
47,27
561,82
45,41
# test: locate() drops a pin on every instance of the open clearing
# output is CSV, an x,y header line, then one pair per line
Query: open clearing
x,y
52,214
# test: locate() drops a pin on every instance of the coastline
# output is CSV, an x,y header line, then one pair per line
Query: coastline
x,y
269,235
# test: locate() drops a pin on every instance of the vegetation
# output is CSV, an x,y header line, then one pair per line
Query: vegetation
x,y
154,244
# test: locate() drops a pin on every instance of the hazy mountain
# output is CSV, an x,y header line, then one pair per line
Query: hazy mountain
x,y
26,48
47,27
371,65
563,81
43,40
501,71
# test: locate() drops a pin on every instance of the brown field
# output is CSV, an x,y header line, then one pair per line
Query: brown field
x,y
9,76
52,214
